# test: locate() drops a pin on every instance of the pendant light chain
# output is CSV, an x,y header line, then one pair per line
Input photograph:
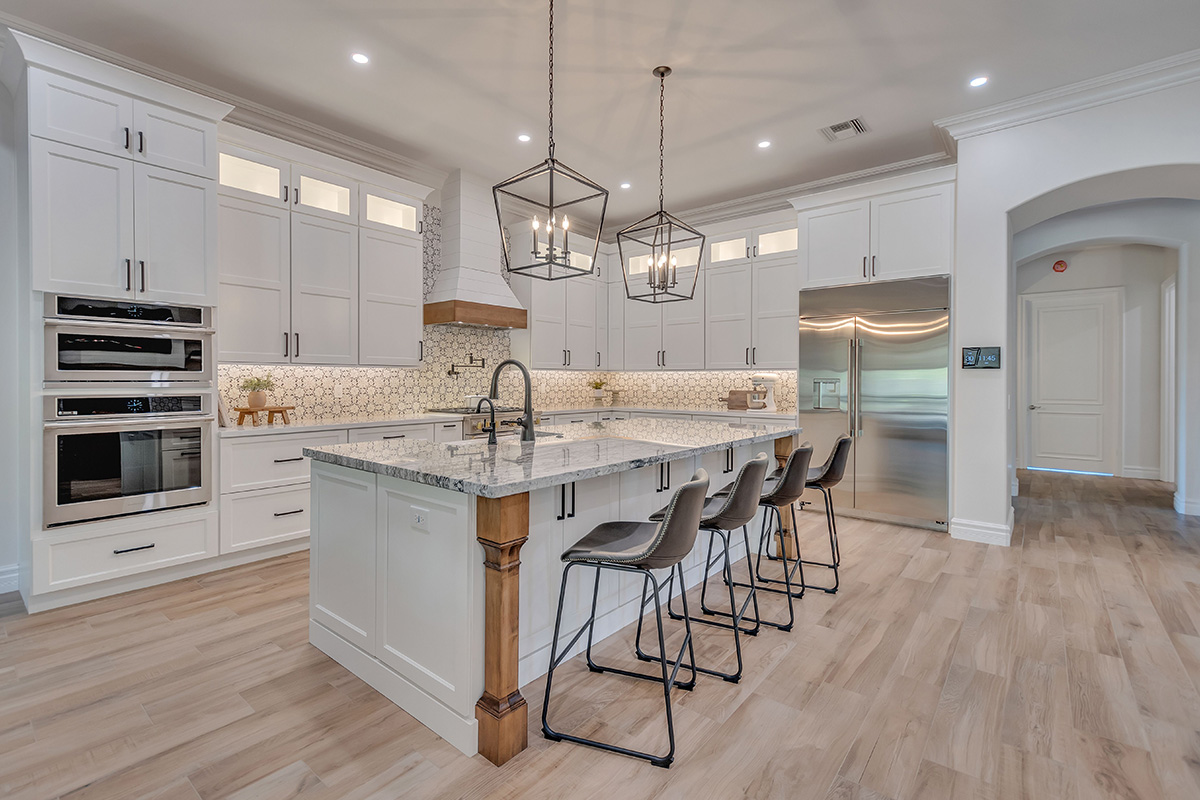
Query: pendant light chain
x,y
551,73
662,100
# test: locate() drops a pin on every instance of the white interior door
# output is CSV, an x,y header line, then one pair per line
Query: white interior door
x,y
1073,342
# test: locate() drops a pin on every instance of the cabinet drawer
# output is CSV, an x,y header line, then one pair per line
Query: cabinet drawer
x,y
270,460
448,432
575,419
60,562
254,519
424,432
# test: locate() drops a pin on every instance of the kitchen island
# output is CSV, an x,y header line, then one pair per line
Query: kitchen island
x,y
400,596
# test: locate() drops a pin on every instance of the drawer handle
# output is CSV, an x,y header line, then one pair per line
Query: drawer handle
x,y
397,436
288,460
133,549
289,513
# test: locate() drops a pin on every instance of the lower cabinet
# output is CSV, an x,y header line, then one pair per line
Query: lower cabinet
x,y
266,516
424,432
342,570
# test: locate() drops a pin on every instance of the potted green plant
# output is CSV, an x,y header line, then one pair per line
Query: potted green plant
x,y
257,389
598,390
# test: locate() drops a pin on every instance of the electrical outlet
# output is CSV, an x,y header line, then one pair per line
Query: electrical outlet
x,y
337,390
420,518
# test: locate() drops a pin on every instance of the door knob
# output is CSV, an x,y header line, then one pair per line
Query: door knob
x,y
1033,407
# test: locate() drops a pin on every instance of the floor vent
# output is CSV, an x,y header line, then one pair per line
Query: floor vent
x,y
845,130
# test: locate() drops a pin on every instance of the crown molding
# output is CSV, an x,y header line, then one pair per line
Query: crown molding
x,y
780,199
1143,79
249,114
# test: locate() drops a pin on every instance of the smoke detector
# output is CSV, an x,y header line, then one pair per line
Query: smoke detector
x,y
845,130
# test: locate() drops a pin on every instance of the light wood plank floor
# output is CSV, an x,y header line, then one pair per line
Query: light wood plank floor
x,y
1065,667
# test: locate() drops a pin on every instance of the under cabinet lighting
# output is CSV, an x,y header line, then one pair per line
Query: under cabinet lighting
x,y
977,82
359,58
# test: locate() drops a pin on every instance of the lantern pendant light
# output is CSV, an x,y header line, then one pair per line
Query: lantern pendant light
x,y
660,255
550,215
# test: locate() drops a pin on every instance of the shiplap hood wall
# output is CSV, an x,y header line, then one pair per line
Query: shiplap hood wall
x,y
469,289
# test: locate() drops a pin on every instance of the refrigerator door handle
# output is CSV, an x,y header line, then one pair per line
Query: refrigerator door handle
x,y
852,388
857,419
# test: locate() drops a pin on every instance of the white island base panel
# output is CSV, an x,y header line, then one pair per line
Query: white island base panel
x,y
397,578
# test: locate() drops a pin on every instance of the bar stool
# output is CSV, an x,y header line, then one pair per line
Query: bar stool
x,y
823,479
721,517
636,547
782,489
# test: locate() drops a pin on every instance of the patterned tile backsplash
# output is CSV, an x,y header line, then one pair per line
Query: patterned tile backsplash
x,y
383,391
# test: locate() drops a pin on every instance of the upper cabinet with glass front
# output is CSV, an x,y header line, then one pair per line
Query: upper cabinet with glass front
x,y
390,212
255,176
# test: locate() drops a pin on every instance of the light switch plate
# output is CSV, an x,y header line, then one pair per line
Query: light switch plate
x,y
420,518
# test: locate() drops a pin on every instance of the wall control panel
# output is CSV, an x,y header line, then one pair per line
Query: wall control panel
x,y
981,358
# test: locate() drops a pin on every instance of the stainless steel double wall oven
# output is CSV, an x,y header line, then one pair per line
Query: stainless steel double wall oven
x,y
128,417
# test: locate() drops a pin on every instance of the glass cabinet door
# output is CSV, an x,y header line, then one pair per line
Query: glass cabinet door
x,y
253,176
775,241
390,211
324,194
729,249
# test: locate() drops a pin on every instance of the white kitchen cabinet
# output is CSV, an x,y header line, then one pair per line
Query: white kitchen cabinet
x,y
775,313
665,335
390,311
425,431
835,244
643,335
175,236
103,226
616,326
78,113
390,212
254,266
82,216
270,516
324,194
729,295
448,432
270,459
602,326
907,233
255,176
581,323
575,418
342,573
174,140
324,284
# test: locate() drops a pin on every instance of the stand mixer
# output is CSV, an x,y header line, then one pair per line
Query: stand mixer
x,y
762,395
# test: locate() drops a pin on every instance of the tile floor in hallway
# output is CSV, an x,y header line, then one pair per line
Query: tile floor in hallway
x,y
1065,667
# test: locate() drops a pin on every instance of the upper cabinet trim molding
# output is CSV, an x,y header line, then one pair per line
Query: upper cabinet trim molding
x,y
865,190
21,50
1143,79
244,112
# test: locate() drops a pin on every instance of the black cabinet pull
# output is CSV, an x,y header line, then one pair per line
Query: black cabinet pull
x,y
397,436
864,266
872,266
664,358
133,549
597,359
421,226
142,267
747,356
572,514
288,460
668,486
129,274
421,350
286,194
127,138
289,513
296,194
562,502
297,348
286,342
753,355
568,358
141,141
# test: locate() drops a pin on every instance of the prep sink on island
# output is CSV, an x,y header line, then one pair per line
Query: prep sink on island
x,y
400,596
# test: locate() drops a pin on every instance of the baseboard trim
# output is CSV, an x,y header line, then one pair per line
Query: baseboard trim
x,y
1146,473
8,578
1184,506
984,532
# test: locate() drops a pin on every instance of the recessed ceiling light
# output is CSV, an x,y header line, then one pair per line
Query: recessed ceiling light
x,y
624,185
524,137
980,81
359,58
764,144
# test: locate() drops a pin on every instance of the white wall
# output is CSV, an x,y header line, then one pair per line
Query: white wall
x,y
1140,270
999,171
10,417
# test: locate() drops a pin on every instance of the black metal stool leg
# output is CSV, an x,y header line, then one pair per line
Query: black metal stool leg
x,y
835,555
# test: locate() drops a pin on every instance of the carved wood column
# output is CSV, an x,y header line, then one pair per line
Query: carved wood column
x,y
783,448
502,526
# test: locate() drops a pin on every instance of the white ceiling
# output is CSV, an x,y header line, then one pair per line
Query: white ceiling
x,y
453,82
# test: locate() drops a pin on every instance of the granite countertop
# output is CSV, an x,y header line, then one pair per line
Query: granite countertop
x,y
561,454
302,424
715,412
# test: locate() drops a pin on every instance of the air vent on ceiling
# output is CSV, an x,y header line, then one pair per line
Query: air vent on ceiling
x,y
845,130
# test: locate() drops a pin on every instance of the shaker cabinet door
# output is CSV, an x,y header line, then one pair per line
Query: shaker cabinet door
x,y
81,218
175,226
727,296
254,266
174,140
324,291
912,233
389,301
834,243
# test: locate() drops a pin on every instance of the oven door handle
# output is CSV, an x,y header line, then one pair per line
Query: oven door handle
x,y
151,422
114,327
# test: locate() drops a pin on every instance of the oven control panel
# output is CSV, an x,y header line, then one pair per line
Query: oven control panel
x,y
128,405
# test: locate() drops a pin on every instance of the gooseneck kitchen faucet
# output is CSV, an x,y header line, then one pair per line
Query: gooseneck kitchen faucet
x,y
526,422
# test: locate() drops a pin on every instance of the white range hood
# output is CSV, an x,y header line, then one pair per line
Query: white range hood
x,y
469,289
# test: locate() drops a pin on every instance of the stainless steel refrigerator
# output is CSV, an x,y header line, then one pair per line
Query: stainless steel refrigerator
x,y
874,363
